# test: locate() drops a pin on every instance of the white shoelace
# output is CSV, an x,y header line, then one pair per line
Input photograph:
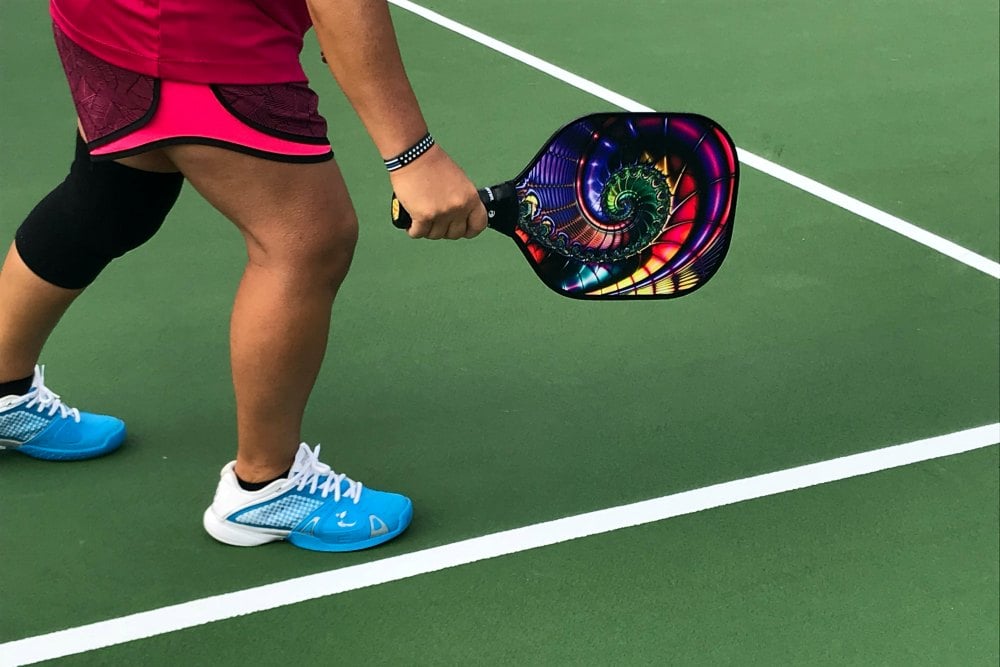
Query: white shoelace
x,y
45,399
308,470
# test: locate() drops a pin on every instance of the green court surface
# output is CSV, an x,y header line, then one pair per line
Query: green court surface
x,y
453,375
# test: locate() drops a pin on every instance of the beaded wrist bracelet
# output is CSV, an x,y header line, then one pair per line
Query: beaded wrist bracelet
x,y
410,154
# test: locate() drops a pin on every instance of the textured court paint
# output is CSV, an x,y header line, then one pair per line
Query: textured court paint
x,y
844,574
813,187
207,610
806,351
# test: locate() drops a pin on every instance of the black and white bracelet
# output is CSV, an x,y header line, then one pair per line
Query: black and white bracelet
x,y
410,154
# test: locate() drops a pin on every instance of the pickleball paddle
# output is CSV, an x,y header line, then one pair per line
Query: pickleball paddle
x,y
621,205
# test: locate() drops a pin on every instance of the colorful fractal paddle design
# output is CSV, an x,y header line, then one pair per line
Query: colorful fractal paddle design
x,y
627,205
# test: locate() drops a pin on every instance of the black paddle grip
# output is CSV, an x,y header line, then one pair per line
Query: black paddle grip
x,y
501,204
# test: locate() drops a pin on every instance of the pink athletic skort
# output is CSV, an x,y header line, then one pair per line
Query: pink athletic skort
x,y
124,113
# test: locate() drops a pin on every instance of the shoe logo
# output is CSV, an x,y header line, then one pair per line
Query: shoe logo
x,y
378,526
340,520
310,528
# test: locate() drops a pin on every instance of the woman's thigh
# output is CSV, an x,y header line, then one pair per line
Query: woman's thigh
x,y
286,211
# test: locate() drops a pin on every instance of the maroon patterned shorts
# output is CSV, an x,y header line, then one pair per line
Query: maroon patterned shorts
x,y
124,113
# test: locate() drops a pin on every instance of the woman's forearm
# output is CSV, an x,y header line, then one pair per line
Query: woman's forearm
x,y
359,43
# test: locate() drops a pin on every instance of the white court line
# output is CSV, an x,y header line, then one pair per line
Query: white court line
x,y
219,607
804,183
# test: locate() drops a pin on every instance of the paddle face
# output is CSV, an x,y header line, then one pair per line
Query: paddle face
x,y
629,205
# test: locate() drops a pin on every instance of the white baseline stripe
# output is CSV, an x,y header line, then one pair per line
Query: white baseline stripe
x,y
804,183
230,605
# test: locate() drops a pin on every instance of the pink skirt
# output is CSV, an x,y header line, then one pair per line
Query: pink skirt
x,y
124,113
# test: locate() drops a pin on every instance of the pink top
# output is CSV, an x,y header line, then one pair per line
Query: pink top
x,y
201,41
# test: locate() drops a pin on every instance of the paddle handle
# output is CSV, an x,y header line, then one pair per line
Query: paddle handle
x,y
501,204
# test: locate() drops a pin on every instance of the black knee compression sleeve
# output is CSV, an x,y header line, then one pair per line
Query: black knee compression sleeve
x,y
101,211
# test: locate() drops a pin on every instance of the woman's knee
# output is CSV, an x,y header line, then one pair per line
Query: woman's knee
x,y
319,252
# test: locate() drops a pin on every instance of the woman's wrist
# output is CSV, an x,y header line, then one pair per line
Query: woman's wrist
x,y
410,154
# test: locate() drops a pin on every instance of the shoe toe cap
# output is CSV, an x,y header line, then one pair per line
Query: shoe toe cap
x,y
91,428
379,513
67,439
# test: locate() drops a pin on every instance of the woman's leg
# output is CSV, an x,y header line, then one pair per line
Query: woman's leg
x,y
99,212
300,231
30,307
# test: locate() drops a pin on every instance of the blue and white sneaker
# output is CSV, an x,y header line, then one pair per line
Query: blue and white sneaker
x,y
40,425
313,508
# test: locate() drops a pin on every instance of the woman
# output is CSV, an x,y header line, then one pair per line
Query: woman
x,y
213,93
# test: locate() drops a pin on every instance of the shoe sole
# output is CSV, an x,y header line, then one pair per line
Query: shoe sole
x,y
110,443
235,535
